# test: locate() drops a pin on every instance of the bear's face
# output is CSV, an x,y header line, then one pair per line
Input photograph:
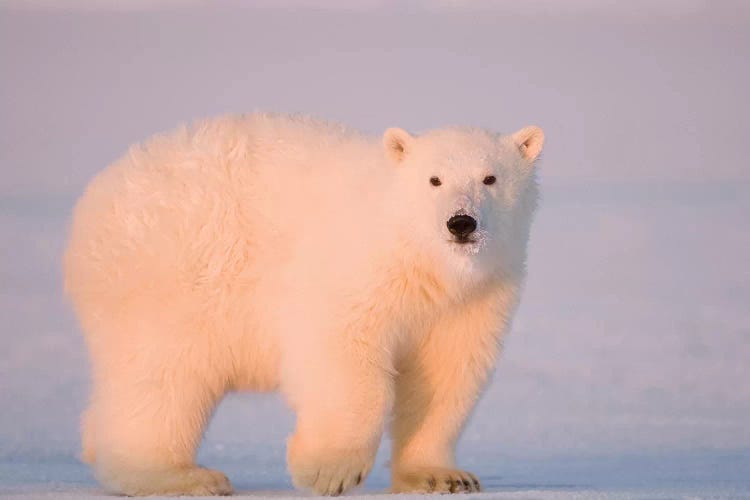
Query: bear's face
x,y
469,195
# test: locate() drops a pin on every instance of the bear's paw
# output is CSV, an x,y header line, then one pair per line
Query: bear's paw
x,y
183,481
435,480
332,472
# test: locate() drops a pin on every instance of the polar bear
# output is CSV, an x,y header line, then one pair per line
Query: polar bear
x,y
363,278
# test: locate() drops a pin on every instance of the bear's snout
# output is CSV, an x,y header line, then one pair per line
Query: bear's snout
x,y
461,226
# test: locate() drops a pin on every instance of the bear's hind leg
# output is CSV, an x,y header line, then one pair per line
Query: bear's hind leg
x,y
148,422
88,455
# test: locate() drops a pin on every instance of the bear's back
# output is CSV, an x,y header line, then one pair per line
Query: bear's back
x,y
206,204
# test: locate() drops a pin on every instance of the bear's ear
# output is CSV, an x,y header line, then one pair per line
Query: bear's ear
x,y
529,141
397,143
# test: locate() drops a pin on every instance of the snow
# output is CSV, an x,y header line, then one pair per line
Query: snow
x,y
626,372
701,475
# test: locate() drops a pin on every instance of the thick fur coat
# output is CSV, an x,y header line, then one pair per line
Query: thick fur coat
x,y
269,252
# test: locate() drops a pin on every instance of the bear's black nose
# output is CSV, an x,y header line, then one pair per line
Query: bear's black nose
x,y
462,226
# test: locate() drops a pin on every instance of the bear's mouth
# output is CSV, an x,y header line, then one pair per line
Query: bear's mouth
x,y
463,241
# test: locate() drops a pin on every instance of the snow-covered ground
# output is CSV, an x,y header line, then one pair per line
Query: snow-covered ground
x,y
627,372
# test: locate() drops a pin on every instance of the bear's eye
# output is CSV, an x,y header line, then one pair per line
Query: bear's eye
x,y
435,181
489,180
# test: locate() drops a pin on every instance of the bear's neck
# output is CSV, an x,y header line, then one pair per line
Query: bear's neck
x,y
415,284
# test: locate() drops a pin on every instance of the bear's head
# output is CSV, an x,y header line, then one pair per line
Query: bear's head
x,y
469,197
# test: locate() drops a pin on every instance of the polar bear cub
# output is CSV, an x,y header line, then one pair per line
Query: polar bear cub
x,y
363,278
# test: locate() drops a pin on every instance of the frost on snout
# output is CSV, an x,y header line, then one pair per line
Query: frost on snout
x,y
465,230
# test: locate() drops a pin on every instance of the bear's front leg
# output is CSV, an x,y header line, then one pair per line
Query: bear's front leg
x,y
340,385
436,389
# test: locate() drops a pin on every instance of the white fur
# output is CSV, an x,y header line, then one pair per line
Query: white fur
x,y
267,252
